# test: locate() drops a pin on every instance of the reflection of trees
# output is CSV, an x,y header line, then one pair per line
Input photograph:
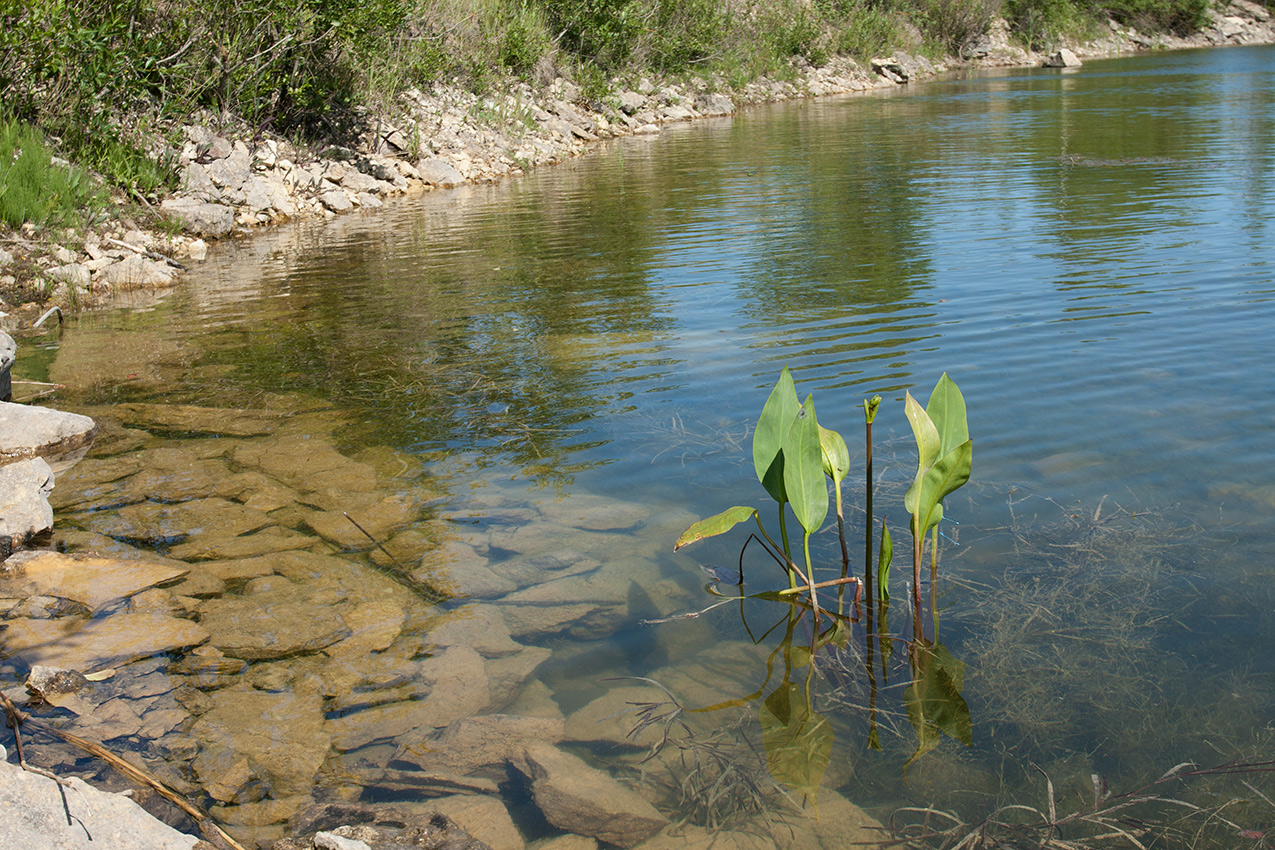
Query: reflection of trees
x,y
841,211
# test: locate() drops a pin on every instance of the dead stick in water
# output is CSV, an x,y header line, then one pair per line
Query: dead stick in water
x,y
214,833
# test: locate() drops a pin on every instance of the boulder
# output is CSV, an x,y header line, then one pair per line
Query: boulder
x,y
27,431
714,104
337,200
578,798
438,172
631,102
37,813
24,503
1063,58
200,217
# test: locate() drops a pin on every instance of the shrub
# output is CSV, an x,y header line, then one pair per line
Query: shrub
x,y
955,24
1177,16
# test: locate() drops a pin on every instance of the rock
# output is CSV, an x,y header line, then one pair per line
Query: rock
x,y
192,521
268,540
196,249
336,200
485,818
205,219
648,129
567,842
72,274
714,104
582,620
281,748
76,644
674,112
1063,58
480,627
27,431
379,519
48,683
581,799
478,746
233,170
506,676
438,172
613,716
631,102
24,503
267,626
890,68
36,814
192,419
384,826
196,183
92,581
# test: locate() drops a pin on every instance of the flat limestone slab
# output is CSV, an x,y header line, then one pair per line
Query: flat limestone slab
x,y
28,431
91,580
75,644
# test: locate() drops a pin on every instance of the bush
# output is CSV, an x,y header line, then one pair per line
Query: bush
x,y
1040,23
867,31
955,24
1180,17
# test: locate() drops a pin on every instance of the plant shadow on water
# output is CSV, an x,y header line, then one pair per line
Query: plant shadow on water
x,y
1069,639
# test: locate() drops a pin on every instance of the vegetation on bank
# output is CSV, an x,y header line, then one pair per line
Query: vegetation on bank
x,y
96,76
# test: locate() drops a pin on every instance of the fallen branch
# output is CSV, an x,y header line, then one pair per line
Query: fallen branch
x,y
150,254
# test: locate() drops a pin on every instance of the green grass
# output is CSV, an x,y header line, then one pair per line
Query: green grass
x,y
34,189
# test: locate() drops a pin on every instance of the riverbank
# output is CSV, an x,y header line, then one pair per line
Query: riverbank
x,y
235,180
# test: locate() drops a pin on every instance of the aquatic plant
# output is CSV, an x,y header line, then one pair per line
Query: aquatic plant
x,y
794,456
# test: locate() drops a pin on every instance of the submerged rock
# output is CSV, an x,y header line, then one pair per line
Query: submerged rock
x,y
279,624
94,582
252,742
582,799
77,644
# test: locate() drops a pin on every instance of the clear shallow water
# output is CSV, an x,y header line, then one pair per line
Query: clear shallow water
x,y
1088,254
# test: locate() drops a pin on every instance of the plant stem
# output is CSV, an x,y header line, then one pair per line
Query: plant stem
x,y
783,535
867,527
918,539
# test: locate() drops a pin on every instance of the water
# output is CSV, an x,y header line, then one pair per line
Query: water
x,y
1089,255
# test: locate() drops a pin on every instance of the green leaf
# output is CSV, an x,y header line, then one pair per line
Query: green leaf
x,y
768,440
941,480
715,525
883,564
798,741
946,409
804,482
928,444
836,457
933,699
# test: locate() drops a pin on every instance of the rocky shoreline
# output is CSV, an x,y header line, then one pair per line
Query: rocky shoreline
x,y
233,182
